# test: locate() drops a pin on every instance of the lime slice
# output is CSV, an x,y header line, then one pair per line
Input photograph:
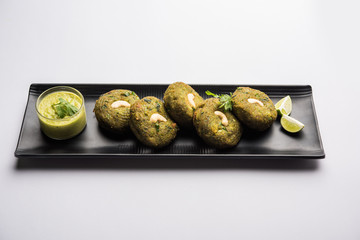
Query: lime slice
x,y
291,124
284,106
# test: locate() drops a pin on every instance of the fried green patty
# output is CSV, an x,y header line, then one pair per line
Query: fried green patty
x,y
181,100
253,108
151,124
112,109
211,126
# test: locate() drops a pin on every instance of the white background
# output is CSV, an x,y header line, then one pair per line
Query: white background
x,y
203,42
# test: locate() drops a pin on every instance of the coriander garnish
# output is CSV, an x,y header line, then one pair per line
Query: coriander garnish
x,y
225,100
63,108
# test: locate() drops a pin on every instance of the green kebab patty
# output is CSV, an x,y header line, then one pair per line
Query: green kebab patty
x,y
253,108
151,124
112,109
215,126
181,100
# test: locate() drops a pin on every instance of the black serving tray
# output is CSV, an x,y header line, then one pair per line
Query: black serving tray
x,y
93,142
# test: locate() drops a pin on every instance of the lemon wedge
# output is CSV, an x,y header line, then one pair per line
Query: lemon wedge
x,y
291,124
284,106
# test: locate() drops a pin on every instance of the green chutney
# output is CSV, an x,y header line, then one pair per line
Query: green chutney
x,y
51,123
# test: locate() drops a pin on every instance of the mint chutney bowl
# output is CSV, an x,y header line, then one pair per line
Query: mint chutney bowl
x,y
61,112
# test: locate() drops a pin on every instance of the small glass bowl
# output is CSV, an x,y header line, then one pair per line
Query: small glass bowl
x,y
61,128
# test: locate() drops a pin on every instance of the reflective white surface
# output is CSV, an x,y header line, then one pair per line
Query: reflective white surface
x,y
203,42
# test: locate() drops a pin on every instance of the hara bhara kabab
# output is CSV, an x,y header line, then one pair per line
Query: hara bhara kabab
x,y
216,127
112,109
253,108
151,124
181,100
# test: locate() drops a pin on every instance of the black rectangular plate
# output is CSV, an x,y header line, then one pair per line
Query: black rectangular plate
x,y
94,142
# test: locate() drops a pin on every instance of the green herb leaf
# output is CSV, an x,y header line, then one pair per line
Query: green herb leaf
x,y
225,100
63,108
158,106
222,127
129,93
59,111
157,127
147,100
211,94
